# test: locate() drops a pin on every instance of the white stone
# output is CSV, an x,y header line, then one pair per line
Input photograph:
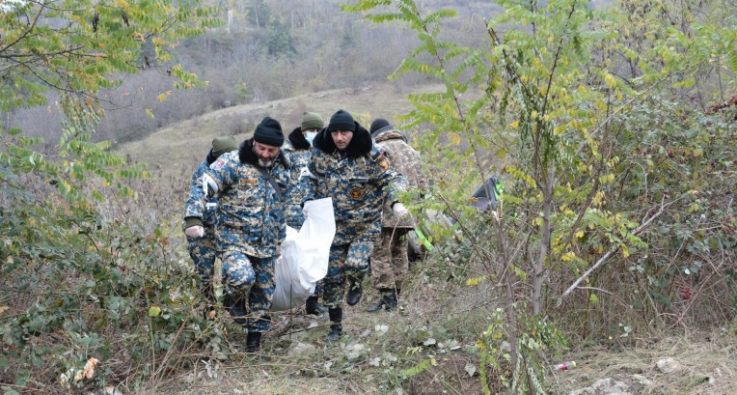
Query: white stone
x,y
642,380
605,386
300,349
668,365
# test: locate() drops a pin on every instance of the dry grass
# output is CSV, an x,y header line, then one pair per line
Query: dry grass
x,y
708,360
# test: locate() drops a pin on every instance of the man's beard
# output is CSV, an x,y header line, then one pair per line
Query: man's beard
x,y
263,162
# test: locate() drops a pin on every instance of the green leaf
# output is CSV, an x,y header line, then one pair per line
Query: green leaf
x,y
154,311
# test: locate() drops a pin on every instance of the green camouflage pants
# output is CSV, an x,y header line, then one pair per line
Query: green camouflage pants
x,y
389,261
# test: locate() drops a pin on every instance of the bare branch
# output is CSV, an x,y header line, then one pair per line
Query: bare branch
x,y
614,249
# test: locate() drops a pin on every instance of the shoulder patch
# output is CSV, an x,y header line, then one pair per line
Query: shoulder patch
x,y
218,164
383,163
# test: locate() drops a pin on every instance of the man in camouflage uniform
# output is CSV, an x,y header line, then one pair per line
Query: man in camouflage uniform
x,y
345,166
202,249
297,148
251,223
389,262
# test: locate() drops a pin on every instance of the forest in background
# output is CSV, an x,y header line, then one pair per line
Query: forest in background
x,y
266,50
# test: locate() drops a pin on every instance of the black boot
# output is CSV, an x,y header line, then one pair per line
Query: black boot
x,y
314,308
236,306
253,346
391,300
387,302
336,328
253,342
381,304
355,291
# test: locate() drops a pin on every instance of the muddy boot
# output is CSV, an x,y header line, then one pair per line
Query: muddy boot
x,y
336,328
355,291
381,304
314,308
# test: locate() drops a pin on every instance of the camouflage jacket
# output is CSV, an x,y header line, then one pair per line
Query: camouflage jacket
x,y
406,161
358,179
297,151
209,215
250,213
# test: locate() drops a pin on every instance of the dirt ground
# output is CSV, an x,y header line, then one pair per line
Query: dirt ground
x,y
700,363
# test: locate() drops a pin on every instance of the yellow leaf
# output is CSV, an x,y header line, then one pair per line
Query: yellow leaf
x,y
433,362
593,298
150,113
579,234
600,105
455,138
514,124
698,152
610,81
161,97
475,280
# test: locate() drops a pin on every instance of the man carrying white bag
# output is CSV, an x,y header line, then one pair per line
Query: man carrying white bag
x,y
304,256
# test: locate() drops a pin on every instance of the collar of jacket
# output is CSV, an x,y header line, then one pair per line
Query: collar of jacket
x,y
360,144
246,155
298,140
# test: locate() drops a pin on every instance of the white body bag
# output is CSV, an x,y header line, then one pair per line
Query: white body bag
x,y
304,256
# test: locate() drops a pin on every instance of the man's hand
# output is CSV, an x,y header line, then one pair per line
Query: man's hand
x,y
194,231
399,210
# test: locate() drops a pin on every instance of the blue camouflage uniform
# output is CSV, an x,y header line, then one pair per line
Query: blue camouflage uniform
x,y
251,225
202,249
358,179
297,150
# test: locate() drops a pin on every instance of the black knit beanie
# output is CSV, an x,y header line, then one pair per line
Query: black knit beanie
x,y
342,120
269,132
379,125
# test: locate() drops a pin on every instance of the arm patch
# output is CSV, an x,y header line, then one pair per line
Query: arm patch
x,y
383,163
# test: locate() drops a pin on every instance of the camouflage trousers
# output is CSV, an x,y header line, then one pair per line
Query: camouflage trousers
x,y
202,250
249,286
349,258
389,261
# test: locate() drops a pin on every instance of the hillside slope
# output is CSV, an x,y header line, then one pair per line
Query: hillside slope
x,y
187,143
